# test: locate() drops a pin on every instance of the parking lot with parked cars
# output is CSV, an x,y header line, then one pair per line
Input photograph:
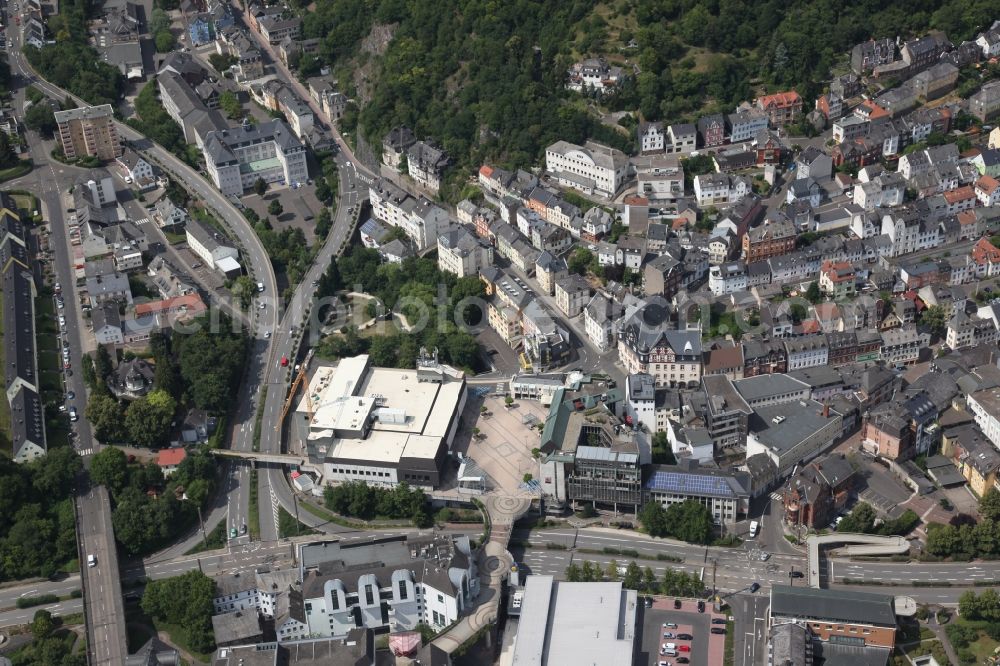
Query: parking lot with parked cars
x,y
681,631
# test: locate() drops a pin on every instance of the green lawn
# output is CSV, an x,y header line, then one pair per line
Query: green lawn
x,y
287,525
253,510
216,539
174,239
16,171
983,648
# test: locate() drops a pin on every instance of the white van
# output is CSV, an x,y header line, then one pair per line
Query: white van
x,y
754,527
73,416
91,560
260,287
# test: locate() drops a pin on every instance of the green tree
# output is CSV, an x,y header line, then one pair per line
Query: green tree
x,y
148,419
230,103
259,187
690,521
184,601
164,41
989,504
275,208
861,519
243,290
105,413
41,118
580,260
611,570
633,576
573,573
42,624
109,467
649,582
158,21
813,293
935,319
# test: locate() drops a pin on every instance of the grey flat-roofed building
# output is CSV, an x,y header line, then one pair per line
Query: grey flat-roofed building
x,y
771,389
792,433
846,606
789,644
575,623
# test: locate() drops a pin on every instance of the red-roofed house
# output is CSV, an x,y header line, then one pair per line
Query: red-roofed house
x,y
837,279
969,223
781,108
188,306
988,191
869,110
987,258
170,459
960,199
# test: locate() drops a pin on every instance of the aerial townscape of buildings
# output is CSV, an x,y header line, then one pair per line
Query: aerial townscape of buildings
x,y
754,357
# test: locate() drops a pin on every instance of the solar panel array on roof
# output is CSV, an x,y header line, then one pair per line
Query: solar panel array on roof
x,y
690,484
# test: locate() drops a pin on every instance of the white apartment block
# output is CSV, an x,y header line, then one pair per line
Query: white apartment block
x,y
985,408
592,168
419,218
238,157
393,582
461,253
211,247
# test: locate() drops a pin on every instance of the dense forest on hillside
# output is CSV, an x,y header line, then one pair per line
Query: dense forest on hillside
x,y
486,78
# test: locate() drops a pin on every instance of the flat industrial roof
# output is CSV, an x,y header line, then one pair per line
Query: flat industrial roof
x,y
416,415
839,605
575,623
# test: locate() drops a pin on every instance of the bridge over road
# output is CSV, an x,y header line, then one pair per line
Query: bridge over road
x,y
854,545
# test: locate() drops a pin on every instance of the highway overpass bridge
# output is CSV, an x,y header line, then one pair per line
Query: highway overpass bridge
x,y
854,544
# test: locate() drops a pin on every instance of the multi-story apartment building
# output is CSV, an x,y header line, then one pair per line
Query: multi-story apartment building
x,y
425,163
238,157
462,253
985,104
836,279
648,343
781,108
806,351
572,294
592,168
391,582
88,131
651,137
712,130
744,125
773,238
419,218
22,386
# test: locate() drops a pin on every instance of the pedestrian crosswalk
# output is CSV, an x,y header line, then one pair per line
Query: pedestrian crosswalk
x,y
776,496
85,452
142,221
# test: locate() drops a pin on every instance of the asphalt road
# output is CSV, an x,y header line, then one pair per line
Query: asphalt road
x,y
101,583
736,568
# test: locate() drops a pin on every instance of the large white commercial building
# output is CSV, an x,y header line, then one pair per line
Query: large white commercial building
x,y
382,426
238,157
396,582
592,168
574,623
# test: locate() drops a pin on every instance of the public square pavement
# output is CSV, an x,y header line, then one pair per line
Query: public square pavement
x,y
707,649
503,450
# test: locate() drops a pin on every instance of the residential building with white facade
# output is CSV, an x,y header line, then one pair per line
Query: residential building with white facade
x,y
421,219
592,168
211,247
649,343
806,351
985,408
238,157
462,253
395,582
